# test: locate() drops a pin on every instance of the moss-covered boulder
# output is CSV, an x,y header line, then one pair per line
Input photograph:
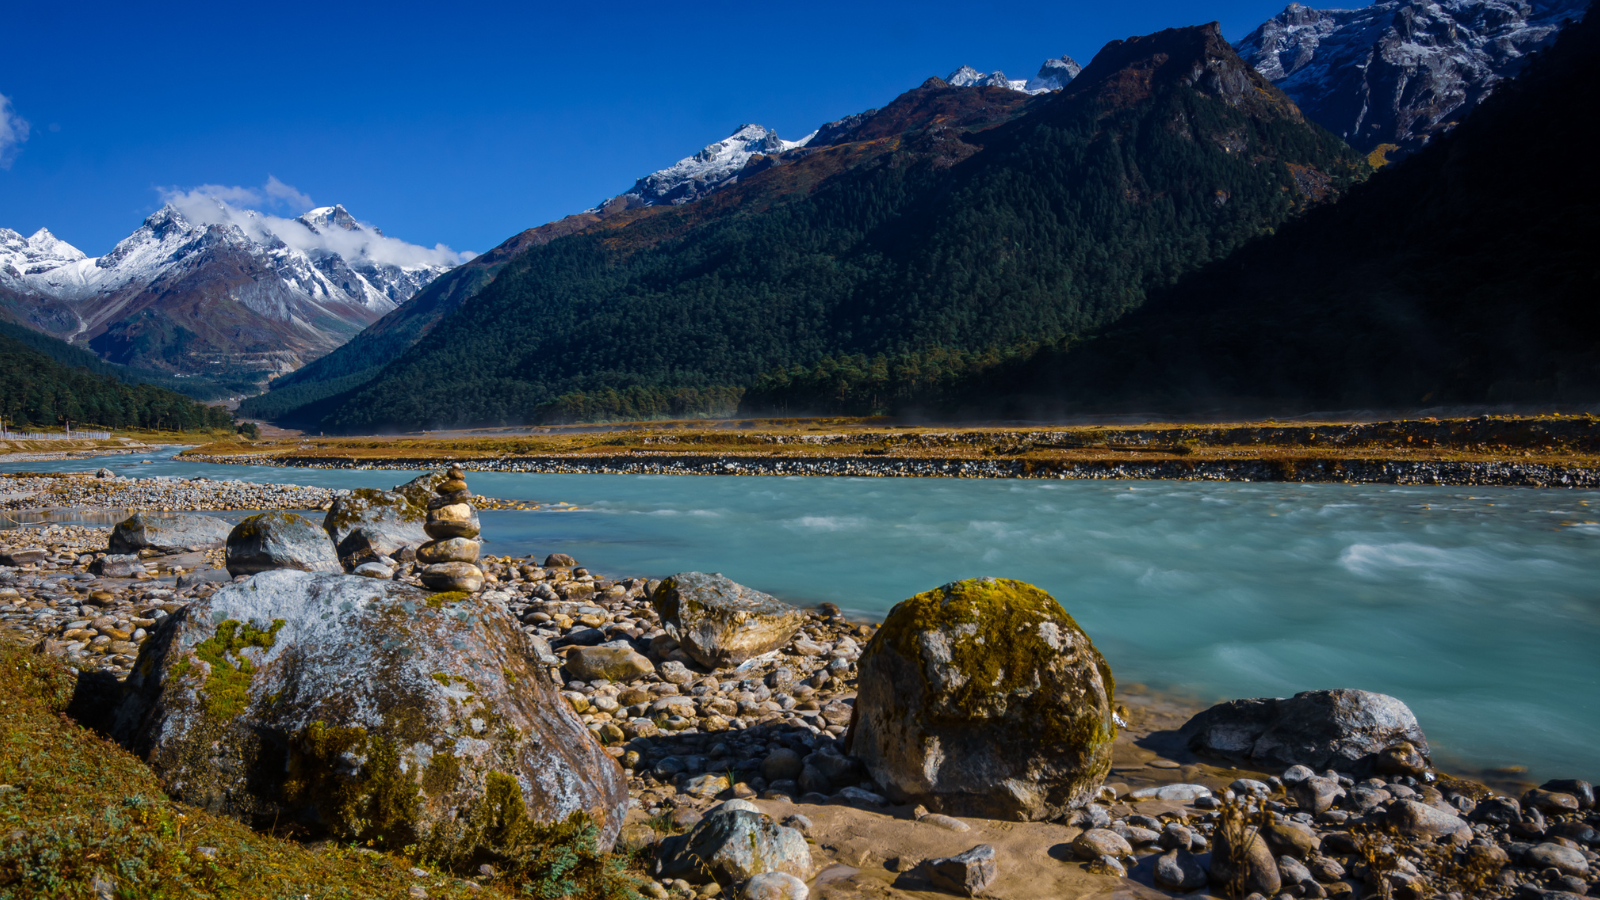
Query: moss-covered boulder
x,y
168,533
368,523
363,710
279,540
722,623
984,698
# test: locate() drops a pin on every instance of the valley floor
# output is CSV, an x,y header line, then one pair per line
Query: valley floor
x,y
1543,451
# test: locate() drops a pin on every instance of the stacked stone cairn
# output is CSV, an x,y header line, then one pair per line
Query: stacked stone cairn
x,y
450,559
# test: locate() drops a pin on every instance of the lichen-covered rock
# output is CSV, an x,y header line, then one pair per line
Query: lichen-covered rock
x,y
367,523
362,710
1338,729
721,623
168,533
733,845
419,490
279,540
984,698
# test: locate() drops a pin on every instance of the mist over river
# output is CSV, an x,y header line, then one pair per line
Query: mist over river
x,y
1479,607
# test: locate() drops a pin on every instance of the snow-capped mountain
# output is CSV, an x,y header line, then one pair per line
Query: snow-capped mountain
x,y
715,166
1054,75
1399,71
202,287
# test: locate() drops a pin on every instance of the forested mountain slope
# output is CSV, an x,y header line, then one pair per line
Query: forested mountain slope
x,y
955,217
1464,274
36,390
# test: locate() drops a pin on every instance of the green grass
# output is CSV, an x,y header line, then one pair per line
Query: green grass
x,y
77,810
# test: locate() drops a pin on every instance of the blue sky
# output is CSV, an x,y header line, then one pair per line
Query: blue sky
x,y
463,124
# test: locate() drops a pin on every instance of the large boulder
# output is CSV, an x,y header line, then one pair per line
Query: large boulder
x,y
168,533
1338,729
280,540
420,489
361,710
984,698
720,623
368,523
732,845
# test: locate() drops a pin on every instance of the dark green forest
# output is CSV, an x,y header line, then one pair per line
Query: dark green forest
x,y
200,388
937,239
38,391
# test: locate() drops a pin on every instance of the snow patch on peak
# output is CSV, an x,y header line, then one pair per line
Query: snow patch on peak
x,y
1400,71
715,166
1053,75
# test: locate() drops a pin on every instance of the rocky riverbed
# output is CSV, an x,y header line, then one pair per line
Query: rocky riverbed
x,y
1352,470
699,744
106,491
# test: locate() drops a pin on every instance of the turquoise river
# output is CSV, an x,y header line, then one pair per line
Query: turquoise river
x,y
1480,608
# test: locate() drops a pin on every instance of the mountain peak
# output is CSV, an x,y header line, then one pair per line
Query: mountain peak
x,y
1197,57
330,217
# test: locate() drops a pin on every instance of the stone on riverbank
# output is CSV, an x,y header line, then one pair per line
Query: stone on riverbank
x,y
984,698
720,623
617,664
1244,863
968,874
168,533
117,565
279,540
361,709
732,845
368,523
1331,729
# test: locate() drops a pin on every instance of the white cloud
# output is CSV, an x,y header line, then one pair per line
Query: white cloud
x,y
283,193
215,204
13,131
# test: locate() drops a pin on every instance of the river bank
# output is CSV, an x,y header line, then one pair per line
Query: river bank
x,y
1284,469
770,733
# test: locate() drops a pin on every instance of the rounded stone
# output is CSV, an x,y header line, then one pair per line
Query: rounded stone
x,y
782,763
984,698
1555,856
775,886
1097,842
449,550
280,540
453,576
454,520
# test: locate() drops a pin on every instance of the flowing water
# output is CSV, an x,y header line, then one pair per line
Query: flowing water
x,y
1479,607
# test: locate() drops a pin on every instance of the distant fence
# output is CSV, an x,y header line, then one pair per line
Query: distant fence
x,y
41,436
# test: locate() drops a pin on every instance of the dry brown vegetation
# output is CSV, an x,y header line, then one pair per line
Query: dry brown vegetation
x,y
1553,439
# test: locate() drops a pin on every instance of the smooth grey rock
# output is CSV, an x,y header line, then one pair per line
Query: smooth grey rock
x,y
1099,842
968,874
1296,774
168,533
1551,803
615,664
280,540
1179,870
117,565
733,845
373,570
720,623
1421,820
203,576
984,698
775,886
782,763
1338,729
304,672
1578,788
1178,793
1293,871
1316,794
1497,811
452,576
1555,856
1251,865
368,522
